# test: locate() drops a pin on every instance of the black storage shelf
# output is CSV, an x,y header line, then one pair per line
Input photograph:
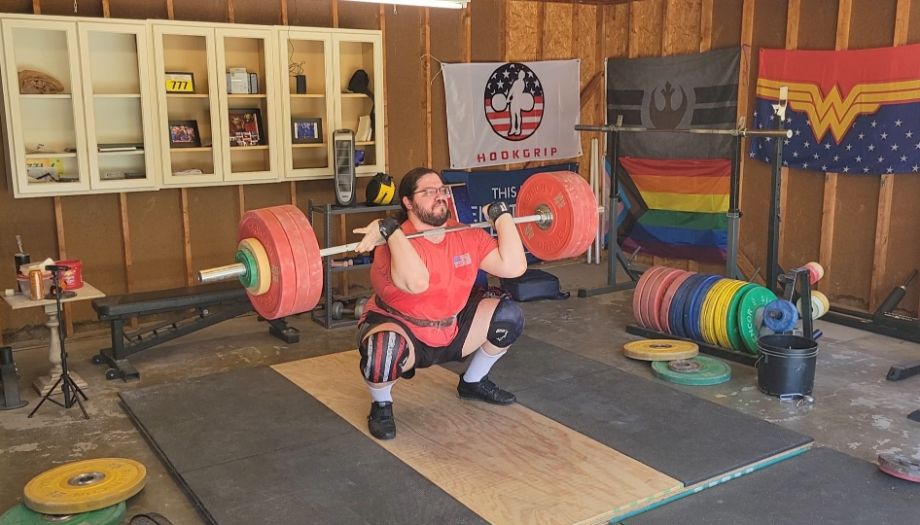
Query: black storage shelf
x,y
324,316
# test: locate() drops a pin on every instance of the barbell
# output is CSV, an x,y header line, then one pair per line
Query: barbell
x,y
279,262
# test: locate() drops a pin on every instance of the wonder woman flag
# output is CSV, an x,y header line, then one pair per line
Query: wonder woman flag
x,y
852,111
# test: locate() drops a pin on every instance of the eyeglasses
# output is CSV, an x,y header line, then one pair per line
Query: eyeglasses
x,y
443,191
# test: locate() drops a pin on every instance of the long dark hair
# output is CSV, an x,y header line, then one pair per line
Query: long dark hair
x,y
408,185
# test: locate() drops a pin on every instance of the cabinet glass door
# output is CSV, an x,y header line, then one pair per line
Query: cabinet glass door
x,y
308,104
44,107
360,97
247,64
118,109
187,92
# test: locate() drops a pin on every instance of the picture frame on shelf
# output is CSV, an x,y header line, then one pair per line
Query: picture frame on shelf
x,y
180,82
184,134
246,128
307,130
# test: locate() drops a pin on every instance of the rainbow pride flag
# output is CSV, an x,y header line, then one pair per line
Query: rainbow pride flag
x,y
683,207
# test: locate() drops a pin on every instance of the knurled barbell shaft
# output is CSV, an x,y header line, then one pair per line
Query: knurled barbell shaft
x,y
236,270
778,133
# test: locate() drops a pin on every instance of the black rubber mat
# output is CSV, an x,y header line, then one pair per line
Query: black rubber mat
x,y
684,436
819,486
249,446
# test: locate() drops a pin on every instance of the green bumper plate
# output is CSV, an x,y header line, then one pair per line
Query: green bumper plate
x,y
710,371
22,515
753,300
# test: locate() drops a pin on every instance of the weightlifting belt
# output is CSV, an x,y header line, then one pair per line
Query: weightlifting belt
x,y
425,323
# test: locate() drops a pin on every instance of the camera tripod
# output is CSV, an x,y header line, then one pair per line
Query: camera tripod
x,y
72,392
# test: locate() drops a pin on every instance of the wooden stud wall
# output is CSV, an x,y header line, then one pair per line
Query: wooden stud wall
x,y
860,227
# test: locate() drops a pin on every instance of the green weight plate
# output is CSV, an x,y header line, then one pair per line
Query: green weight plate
x,y
251,278
705,371
22,515
753,299
731,324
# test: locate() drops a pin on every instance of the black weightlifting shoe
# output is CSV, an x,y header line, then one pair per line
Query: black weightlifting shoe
x,y
380,421
485,390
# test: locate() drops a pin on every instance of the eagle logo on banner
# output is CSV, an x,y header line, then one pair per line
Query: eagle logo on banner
x,y
514,101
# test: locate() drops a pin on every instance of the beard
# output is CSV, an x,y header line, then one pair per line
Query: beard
x,y
432,217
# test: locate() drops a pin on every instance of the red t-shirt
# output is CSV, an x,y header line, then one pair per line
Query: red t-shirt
x,y
452,265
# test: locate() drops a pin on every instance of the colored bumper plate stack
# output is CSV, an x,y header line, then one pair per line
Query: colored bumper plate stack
x,y
698,371
83,486
660,349
22,515
899,467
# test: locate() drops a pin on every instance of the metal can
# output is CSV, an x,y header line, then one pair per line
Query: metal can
x,y
36,285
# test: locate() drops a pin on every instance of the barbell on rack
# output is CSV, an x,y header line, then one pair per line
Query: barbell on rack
x,y
279,262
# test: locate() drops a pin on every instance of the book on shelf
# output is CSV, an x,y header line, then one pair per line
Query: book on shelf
x,y
121,146
364,132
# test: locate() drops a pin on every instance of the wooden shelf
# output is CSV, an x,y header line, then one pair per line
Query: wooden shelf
x,y
311,145
190,150
245,95
122,152
36,96
117,95
307,95
61,155
248,148
186,95
367,143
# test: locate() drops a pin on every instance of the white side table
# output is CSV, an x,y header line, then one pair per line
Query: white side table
x,y
16,302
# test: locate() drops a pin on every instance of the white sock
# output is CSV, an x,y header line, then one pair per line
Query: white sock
x,y
480,364
381,394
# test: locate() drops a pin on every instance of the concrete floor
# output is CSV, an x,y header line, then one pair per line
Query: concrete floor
x,y
856,411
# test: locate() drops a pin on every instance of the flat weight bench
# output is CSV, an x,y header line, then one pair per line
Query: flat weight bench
x,y
205,305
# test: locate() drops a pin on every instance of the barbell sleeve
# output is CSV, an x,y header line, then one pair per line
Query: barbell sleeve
x,y
237,270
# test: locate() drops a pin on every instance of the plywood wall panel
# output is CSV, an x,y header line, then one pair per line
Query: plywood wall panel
x,y
155,222
818,24
801,219
361,15
682,27
645,28
487,19
857,209
66,7
310,13
726,23
877,15
523,31
138,10
616,30
913,25
203,10
406,111
557,31
265,195
267,12
446,46
903,242
34,221
92,228
213,218
16,6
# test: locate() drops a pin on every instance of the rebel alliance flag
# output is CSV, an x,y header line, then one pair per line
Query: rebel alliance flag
x,y
506,113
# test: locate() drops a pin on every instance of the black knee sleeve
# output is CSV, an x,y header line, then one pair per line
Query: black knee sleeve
x,y
382,355
507,323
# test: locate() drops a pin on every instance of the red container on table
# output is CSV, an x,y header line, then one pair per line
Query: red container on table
x,y
71,279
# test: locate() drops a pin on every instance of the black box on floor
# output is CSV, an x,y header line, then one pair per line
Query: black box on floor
x,y
533,285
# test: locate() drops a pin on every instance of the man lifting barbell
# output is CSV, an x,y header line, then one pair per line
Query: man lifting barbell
x,y
423,312
425,309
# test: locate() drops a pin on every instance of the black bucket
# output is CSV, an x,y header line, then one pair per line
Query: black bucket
x,y
786,364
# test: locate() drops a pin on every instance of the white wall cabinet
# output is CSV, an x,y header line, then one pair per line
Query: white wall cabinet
x,y
92,135
150,104
328,60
